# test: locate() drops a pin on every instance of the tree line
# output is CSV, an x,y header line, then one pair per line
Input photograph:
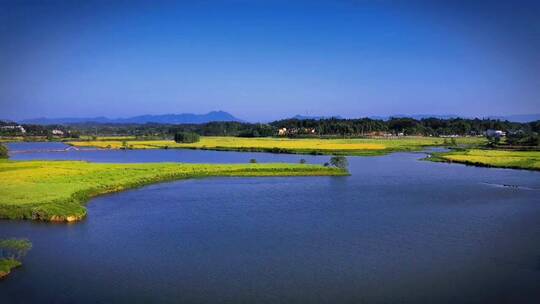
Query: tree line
x,y
294,128
406,126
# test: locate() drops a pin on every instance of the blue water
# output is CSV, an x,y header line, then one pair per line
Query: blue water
x,y
396,230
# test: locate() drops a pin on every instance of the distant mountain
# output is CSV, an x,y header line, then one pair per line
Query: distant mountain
x,y
417,116
63,121
184,118
424,116
188,118
513,118
302,117
518,118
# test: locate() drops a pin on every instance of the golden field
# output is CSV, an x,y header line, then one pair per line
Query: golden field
x,y
286,145
493,158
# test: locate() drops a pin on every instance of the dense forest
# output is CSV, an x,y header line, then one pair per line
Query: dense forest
x,y
332,127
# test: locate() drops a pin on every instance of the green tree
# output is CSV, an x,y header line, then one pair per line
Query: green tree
x,y
3,152
339,162
186,137
14,248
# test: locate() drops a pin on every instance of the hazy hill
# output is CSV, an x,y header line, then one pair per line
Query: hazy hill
x,y
183,118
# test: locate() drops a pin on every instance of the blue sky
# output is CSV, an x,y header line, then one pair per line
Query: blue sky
x,y
263,60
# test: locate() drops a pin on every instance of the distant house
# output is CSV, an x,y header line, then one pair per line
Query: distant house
x,y
495,133
57,132
296,131
19,127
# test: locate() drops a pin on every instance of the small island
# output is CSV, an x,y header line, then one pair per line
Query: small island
x,y
528,160
11,253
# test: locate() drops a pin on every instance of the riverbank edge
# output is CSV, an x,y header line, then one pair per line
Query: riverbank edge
x,y
7,265
277,150
78,199
438,157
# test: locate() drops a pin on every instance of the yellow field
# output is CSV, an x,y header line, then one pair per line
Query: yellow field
x,y
286,145
110,138
495,158
5,139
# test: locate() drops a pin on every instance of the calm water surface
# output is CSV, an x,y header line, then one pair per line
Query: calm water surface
x,y
397,230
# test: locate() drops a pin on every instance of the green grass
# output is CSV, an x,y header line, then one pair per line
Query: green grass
x,y
285,145
6,265
529,160
58,190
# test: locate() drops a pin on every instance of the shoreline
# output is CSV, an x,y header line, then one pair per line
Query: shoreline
x,y
6,267
515,160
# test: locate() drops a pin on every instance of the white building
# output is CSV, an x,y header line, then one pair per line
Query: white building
x,y
495,133
20,128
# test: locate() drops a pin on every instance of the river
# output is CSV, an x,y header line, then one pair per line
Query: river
x,y
396,230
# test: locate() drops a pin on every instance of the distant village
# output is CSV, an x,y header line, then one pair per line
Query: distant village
x,y
291,132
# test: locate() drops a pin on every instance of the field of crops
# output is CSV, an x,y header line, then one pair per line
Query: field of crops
x,y
110,138
57,190
494,158
5,139
286,145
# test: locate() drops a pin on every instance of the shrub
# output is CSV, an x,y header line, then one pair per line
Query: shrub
x,y
523,139
14,248
339,162
3,151
186,137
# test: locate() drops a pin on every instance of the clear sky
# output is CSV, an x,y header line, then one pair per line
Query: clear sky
x,y
262,60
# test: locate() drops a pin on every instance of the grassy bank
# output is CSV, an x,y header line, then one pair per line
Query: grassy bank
x,y
529,160
6,265
286,145
11,253
57,190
